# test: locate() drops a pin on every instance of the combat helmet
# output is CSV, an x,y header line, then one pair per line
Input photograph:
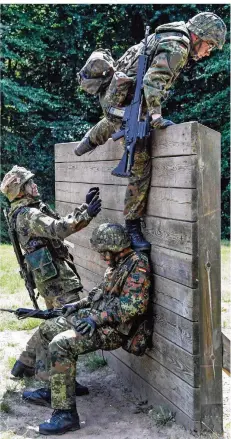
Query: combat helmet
x,y
13,181
110,237
208,27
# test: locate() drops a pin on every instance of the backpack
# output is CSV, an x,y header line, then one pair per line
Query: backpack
x,y
97,72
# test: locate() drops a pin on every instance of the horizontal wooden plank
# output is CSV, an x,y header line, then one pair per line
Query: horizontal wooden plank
x,y
176,359
173,265
176,266
171,203
89,280
178,298
174,297
177,329
177,172
144,391
185,397
174,172
158,231
174,141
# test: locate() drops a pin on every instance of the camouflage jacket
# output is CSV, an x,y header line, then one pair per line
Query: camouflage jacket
x,y
123,295
39,227
169,48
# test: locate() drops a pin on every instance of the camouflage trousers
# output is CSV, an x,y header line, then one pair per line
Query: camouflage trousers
x,y
28,356
138,184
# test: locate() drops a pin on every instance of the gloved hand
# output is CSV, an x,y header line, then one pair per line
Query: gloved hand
x,y
91,193
69,308
94,207
86,326
161,123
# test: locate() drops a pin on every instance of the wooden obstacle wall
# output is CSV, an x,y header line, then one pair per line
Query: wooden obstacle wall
x,y
183,368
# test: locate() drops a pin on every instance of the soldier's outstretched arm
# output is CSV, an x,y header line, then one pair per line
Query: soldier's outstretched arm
x,y
43,225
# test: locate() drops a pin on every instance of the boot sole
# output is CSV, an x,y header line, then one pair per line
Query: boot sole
x,y
45,432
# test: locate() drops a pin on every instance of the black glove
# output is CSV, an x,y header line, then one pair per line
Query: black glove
x,y
94,207
161,123
86,326
69,309
91,193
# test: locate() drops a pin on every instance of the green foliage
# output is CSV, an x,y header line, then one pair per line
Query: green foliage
x,y
95,361
162,415
43,48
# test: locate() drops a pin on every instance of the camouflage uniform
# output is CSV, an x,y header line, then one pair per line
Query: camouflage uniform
x,y
169,49
115,305
169,53
37,226
41,233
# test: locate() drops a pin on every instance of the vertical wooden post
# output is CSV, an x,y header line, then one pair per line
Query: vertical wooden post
x,y
209,278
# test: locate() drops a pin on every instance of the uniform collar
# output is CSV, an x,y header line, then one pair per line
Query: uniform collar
x,y
22,202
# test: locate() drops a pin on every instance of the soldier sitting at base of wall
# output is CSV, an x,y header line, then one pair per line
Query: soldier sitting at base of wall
x,y
41,232
169,48
113,315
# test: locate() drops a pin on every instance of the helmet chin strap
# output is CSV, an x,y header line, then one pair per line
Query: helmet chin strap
x,y
196,45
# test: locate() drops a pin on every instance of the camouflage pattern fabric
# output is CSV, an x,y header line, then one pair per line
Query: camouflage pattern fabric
x,y
138,184
110,237
37,225
28,355
13,180
169,49
97,71
36,229
114,305
209,27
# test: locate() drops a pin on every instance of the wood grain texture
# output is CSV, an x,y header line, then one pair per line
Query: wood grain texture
x,y
179,172
172,203
145,391
176,359
174,141
172,234
209,278
178,298
177,329
185,397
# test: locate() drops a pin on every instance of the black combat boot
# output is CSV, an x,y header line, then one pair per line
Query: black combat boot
x,y
60,422
39,396
85,145
138,242
20,370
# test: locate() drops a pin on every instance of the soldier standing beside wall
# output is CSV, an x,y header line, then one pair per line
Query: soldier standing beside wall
x,y
170,48
41,233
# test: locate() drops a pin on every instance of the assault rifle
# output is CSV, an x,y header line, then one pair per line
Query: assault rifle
x,y
23,313
133,128
24,272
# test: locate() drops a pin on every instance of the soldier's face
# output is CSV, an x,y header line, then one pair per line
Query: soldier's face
x,y
31,188
108,257
203,49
